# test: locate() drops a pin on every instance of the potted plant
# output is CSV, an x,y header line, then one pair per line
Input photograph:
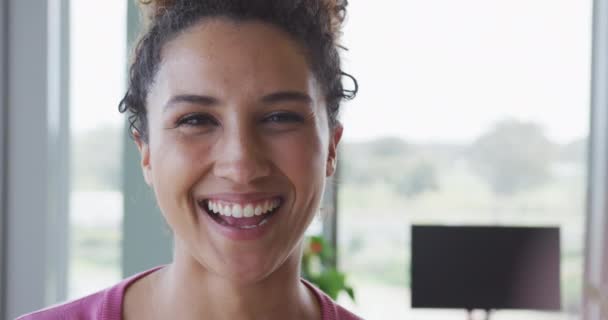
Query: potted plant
x,y
317,268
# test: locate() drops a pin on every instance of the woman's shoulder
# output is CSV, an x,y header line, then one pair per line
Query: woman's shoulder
x,y
89,307
329,308
102,305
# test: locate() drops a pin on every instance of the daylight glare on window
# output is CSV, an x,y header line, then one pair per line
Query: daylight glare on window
x,y
97,71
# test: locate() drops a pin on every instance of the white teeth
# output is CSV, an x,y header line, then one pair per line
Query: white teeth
x,y
237,211
248,211
242,210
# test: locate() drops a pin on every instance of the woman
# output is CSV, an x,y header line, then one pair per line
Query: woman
x,y
233,107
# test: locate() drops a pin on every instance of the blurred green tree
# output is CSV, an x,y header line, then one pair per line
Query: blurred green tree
x,y
416,179
513,156
409,169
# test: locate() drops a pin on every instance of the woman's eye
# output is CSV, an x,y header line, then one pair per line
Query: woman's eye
x,y
283,117
196,120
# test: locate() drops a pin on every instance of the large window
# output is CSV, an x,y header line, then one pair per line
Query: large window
x,y
470,112
97,65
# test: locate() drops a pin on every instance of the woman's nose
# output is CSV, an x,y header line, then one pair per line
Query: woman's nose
x,y
241,158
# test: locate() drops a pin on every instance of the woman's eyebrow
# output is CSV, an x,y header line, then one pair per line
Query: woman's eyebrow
x,y
191,98
286,96
207,101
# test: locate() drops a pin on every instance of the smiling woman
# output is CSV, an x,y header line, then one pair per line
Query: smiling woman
x,y
233,107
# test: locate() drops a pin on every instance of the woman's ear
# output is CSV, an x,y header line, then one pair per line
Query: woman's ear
x,y
332,154
144,152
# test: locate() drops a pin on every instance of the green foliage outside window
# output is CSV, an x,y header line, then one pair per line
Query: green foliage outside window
x,y
317,268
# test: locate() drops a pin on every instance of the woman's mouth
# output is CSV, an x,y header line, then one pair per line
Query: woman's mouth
x,y
241,215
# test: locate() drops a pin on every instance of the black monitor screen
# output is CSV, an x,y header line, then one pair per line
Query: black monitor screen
x,y
473,267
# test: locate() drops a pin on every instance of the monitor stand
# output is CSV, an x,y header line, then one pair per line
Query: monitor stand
x,y
470,314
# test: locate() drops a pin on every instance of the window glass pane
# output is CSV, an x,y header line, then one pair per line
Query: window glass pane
x,y
470,112
97,62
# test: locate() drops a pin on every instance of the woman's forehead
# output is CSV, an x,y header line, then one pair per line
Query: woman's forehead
x,y
222,56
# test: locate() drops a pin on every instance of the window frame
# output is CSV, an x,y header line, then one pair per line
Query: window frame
x,y
147,241
34,155
3,109
596,242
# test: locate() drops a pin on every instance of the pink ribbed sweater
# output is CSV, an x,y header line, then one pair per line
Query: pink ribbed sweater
x,y
107,305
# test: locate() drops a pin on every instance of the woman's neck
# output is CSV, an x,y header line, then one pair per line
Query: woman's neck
x,y
186,290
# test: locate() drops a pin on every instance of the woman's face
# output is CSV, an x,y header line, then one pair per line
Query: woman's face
x,y
239,146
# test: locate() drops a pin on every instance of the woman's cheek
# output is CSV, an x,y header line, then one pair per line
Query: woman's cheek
x,y
177,170
301,156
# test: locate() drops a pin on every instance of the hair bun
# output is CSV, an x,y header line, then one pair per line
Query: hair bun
x,y
152,9
337,12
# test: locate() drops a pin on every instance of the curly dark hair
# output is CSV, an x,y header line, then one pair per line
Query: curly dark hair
x,y
314,24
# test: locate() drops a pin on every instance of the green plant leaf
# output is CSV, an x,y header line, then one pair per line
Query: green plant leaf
x,y
316,268
350,292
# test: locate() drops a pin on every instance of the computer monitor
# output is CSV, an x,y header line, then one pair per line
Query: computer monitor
x,y
485,267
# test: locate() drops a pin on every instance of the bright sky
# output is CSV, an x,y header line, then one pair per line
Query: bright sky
x,y
428,70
